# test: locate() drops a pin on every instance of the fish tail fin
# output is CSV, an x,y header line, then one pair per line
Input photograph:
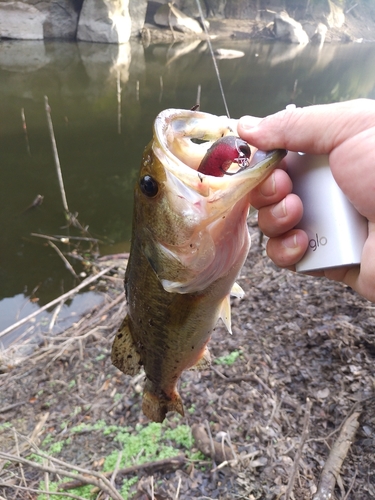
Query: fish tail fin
x,y
124,354
156,406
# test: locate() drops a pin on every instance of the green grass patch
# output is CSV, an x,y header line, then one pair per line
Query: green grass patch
x,y
83,491
138,445
229,359
5,425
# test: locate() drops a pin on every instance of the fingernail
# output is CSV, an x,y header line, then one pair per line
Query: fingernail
x,y
247,122
268,187
279,210
290,241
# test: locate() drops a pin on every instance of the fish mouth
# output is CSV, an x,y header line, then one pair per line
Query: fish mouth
x,y
182,138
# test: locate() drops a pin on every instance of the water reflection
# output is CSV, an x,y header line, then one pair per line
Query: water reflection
x,y
104,99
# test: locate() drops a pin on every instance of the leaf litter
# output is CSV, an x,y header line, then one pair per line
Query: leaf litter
x,y
287,410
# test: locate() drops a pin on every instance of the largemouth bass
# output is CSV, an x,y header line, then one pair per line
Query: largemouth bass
x,y
189,242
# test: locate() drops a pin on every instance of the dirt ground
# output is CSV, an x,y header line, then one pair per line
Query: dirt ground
x,y
299,384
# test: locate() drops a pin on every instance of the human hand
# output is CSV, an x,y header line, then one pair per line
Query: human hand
x,y
346,132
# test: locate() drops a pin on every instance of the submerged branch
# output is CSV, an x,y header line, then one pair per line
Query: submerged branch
x,y
72,218
63,258
56,155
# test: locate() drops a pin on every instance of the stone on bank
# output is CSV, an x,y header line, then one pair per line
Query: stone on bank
x,y
106,22
113,21
22,21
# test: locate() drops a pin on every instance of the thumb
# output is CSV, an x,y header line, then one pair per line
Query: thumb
x,y
313,129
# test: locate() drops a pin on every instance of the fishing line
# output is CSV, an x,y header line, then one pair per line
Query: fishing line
x,y
213,56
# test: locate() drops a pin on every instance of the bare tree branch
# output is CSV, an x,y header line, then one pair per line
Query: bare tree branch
x,y
94,478
297,458
336,457
176,461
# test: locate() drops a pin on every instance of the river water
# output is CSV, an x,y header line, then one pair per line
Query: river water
x,y
104,100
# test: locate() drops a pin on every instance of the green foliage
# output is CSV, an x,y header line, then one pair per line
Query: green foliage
x,y
82,491
229,359
47,440
197,456
71,384
146,444
35,458
143,444
191,410
79,428
181,435
117,397
110,429
5,425
126,485
76,411
56,448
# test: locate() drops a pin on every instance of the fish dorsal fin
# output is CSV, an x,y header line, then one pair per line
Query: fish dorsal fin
x,y
124,354
225,313
237,291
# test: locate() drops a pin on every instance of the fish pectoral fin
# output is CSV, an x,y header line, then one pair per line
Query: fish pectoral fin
x,y
237,291
164,262
204,362
124,354
185,268
225,313
153,256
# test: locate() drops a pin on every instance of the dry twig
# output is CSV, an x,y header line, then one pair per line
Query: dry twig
x,y
31,440
32,490
218,452
297,458
178,488
5,409
336,457
91,477
244,378
352,482
63,258
176,461
18,454
116,469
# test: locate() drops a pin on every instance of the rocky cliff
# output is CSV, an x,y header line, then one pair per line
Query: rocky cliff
x,y
115,21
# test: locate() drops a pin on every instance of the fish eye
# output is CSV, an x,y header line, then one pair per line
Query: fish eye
x,y
149,186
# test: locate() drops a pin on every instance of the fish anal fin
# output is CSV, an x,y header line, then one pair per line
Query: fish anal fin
x,y
156,406
225,313
204,362
124,354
